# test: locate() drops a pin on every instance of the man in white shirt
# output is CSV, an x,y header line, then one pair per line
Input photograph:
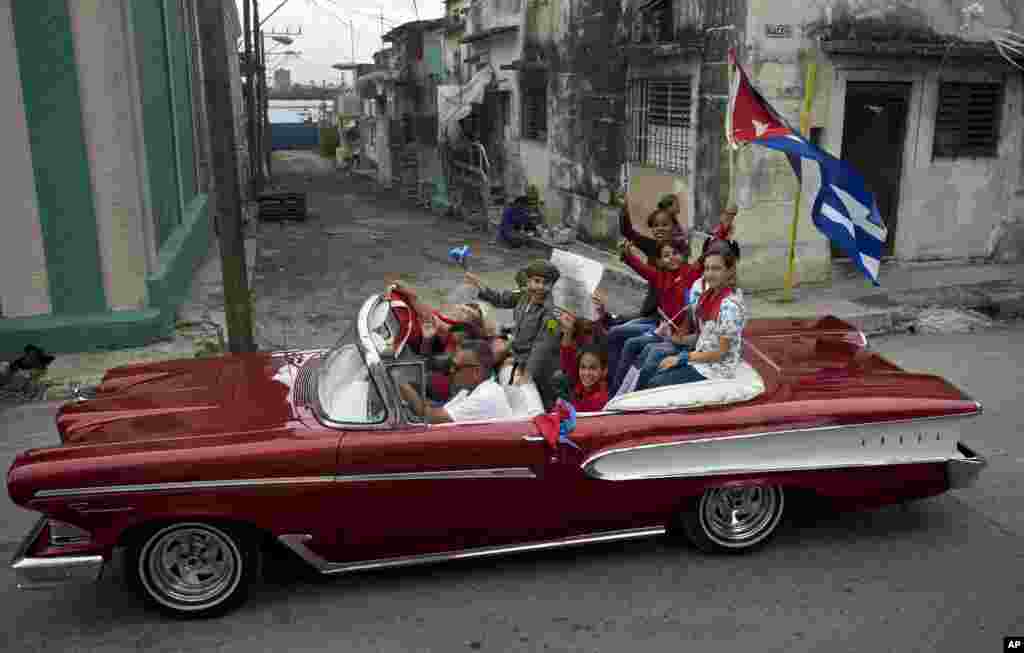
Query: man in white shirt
x,y
476,395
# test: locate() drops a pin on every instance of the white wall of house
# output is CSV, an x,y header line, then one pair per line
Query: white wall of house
x,y
948,207
24,286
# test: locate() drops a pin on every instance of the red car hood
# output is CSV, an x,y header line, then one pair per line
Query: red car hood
x,y
186,398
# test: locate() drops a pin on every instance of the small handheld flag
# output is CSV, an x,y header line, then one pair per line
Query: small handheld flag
x,y
459,255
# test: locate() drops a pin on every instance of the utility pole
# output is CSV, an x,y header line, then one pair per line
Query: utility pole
x,y
266,110
217,84
260,91
250,99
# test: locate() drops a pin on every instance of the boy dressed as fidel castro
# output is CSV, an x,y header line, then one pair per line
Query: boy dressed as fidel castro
x,y
536,331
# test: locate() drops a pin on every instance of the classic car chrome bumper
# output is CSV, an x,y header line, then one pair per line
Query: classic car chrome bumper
x,y
45,573
963,472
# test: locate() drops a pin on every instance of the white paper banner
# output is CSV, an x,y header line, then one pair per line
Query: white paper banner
x,y
579,278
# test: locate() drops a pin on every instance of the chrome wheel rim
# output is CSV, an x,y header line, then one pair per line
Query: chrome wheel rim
x,y
190,567
740,516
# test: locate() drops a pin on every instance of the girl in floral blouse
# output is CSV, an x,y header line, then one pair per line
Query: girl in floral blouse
x,y
721,315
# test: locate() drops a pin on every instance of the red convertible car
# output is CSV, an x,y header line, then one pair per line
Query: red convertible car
x,y
199,467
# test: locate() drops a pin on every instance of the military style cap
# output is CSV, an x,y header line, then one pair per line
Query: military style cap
x,y
541,268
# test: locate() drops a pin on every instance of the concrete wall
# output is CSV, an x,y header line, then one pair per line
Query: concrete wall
x,y
948,207
24,285
764,183
83,265
101,42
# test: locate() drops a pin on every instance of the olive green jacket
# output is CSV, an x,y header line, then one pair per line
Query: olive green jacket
x,y
536,333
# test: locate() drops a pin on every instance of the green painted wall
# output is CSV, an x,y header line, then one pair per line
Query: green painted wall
x,y
147,22
60,161
181,67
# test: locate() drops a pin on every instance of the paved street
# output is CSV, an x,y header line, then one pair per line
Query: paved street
x,y
938,575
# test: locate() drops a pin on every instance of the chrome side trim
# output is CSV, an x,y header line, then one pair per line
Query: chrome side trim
x,y
732,471
183,485
46,573
297,543
495,472
534,438
747,436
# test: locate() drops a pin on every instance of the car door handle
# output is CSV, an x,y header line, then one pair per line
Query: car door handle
x,y
534,438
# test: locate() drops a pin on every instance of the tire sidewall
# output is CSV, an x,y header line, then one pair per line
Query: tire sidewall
x,y
230,598
696,530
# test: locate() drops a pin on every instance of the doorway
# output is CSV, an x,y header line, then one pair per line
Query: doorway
x,y
497,110
874,133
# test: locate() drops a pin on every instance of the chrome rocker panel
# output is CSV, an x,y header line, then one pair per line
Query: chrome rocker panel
x,y
297,544
964,472
48,573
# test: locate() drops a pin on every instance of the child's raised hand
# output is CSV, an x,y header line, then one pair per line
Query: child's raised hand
x,y
473,280
727,219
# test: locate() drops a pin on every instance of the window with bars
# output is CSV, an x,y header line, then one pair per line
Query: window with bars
x,y
659,123
967,120
535,112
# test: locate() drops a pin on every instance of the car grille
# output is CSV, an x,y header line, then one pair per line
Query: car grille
x,y
305,384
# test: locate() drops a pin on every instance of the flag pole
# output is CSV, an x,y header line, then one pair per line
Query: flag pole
x,y
731,150
805,123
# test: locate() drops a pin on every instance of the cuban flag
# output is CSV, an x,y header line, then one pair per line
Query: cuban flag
x,y
843,209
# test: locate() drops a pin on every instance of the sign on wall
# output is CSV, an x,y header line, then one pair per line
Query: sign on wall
x,y
778,31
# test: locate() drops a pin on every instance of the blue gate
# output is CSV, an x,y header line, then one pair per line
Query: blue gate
x,y
294,136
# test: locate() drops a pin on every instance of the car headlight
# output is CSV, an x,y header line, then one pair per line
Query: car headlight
x,y
63,534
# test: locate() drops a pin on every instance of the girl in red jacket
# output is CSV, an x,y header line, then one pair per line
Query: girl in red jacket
x,y
586,368
671,280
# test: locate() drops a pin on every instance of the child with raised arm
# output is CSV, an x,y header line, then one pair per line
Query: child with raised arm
x,y
536,332
671,280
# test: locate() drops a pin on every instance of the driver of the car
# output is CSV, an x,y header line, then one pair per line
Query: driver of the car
x,y
475,393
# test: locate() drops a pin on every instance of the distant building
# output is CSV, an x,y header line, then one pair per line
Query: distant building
x,y
282,79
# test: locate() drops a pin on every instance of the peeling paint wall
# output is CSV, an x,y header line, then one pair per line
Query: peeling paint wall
x,y
585,89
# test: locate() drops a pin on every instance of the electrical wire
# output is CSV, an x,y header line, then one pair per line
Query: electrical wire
x,y
365,14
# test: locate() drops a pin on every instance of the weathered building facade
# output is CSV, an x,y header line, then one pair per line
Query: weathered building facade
x,y
375,86
912,93
584,100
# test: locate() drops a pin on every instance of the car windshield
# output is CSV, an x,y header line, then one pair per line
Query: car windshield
x,y
346,391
